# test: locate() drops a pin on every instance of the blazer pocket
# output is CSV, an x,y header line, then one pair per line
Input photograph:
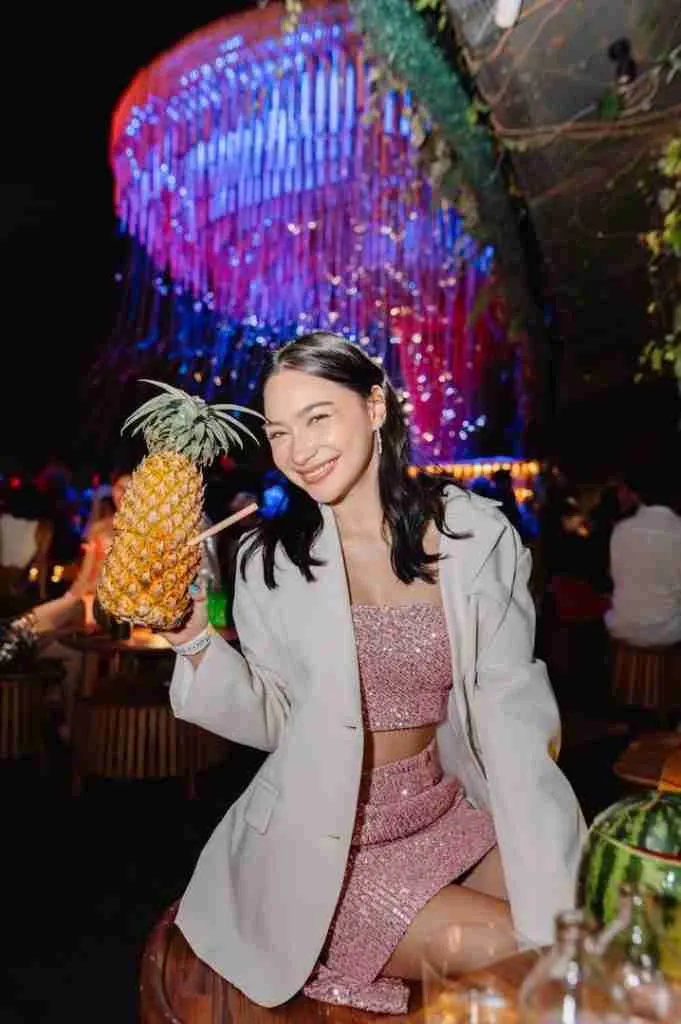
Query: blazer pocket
x,y
260,805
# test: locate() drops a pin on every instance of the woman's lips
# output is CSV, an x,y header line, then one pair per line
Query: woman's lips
x,y
315,476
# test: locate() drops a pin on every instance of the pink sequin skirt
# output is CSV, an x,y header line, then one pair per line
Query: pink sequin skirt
x,y
415,833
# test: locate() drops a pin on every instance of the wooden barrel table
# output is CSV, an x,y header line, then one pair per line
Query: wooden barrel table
x,y
178,988
142,652
126,730
653,760
22,709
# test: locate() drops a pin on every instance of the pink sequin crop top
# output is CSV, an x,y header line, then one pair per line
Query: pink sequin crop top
x,y
404,665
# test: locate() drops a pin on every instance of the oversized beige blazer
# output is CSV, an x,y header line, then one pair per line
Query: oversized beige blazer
x,y
265,887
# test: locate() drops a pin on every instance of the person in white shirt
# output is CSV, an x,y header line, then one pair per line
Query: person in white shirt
x,y
645,565
25,539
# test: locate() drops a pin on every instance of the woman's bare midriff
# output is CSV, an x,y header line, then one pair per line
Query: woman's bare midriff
x,y
383,747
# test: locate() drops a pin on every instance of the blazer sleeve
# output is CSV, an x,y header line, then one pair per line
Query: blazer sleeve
x,y
241,697
538,821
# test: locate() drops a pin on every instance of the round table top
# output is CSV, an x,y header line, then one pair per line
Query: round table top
x,y
141,641
95,641
652,760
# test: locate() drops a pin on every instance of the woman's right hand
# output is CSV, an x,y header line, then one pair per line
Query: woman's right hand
x,y
195,623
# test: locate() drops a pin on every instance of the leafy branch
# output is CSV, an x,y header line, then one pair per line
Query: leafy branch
x,y
663,242
436,7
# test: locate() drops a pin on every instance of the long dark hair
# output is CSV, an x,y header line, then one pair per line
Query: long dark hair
x,y
409,502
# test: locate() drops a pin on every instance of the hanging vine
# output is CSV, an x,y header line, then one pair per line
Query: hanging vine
x,y
435,7
663,243
458,147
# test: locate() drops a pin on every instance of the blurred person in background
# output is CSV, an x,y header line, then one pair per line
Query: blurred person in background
x,y
503,492
483,486
59,500
97,540
574,600
616,502
226,494
645,561
25,541
73,610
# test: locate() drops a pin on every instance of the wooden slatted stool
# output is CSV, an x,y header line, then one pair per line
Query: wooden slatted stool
x,y
22,709
126,730
178,988
647,677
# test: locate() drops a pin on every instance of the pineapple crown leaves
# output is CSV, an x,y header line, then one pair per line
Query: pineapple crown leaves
x,y
176,421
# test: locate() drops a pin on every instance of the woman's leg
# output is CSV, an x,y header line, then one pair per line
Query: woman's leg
x,y
480,899
488,876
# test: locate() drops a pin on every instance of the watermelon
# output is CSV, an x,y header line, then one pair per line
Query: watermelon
x,y
637,841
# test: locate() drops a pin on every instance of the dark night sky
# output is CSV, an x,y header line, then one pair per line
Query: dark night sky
x,y
57,230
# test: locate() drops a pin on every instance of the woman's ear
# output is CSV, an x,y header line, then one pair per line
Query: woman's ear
x,y
377,407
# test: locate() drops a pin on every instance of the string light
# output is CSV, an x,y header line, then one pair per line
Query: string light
x,y
520,469
245,166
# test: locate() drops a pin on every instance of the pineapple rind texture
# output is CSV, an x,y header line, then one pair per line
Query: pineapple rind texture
x,y
146,575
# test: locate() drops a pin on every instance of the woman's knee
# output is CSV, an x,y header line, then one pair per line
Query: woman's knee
x,y
481,917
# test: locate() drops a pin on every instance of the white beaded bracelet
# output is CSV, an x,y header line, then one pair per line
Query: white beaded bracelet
x,y
195,646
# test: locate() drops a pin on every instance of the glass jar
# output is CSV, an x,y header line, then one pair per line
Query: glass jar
x,y
462,982
629,951
568,985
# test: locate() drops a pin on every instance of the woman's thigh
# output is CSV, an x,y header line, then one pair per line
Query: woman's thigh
x,y
488,876
480,899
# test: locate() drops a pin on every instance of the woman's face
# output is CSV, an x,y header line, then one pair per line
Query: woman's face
x,y
321,433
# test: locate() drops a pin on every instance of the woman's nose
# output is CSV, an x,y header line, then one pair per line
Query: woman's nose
x,y
302,449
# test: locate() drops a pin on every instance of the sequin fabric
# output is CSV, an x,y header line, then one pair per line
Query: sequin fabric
x,y
404,664
414,833
388,880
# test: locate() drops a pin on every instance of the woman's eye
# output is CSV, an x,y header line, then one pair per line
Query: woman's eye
x,y
319,416
274,436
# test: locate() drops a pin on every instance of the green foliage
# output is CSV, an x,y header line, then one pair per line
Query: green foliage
x,y
663,353
438,7
459,150
610,106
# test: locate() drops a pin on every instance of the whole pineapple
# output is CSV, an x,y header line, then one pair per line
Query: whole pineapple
x,y
147,572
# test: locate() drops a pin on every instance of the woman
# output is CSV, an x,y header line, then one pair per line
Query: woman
x,y
69,610
387,630
99,534
42,625
102,509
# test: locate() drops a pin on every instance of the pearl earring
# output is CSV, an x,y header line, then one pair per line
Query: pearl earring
x,y
379,441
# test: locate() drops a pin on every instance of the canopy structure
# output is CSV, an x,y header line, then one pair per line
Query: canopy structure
x,y
585,96
267,191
